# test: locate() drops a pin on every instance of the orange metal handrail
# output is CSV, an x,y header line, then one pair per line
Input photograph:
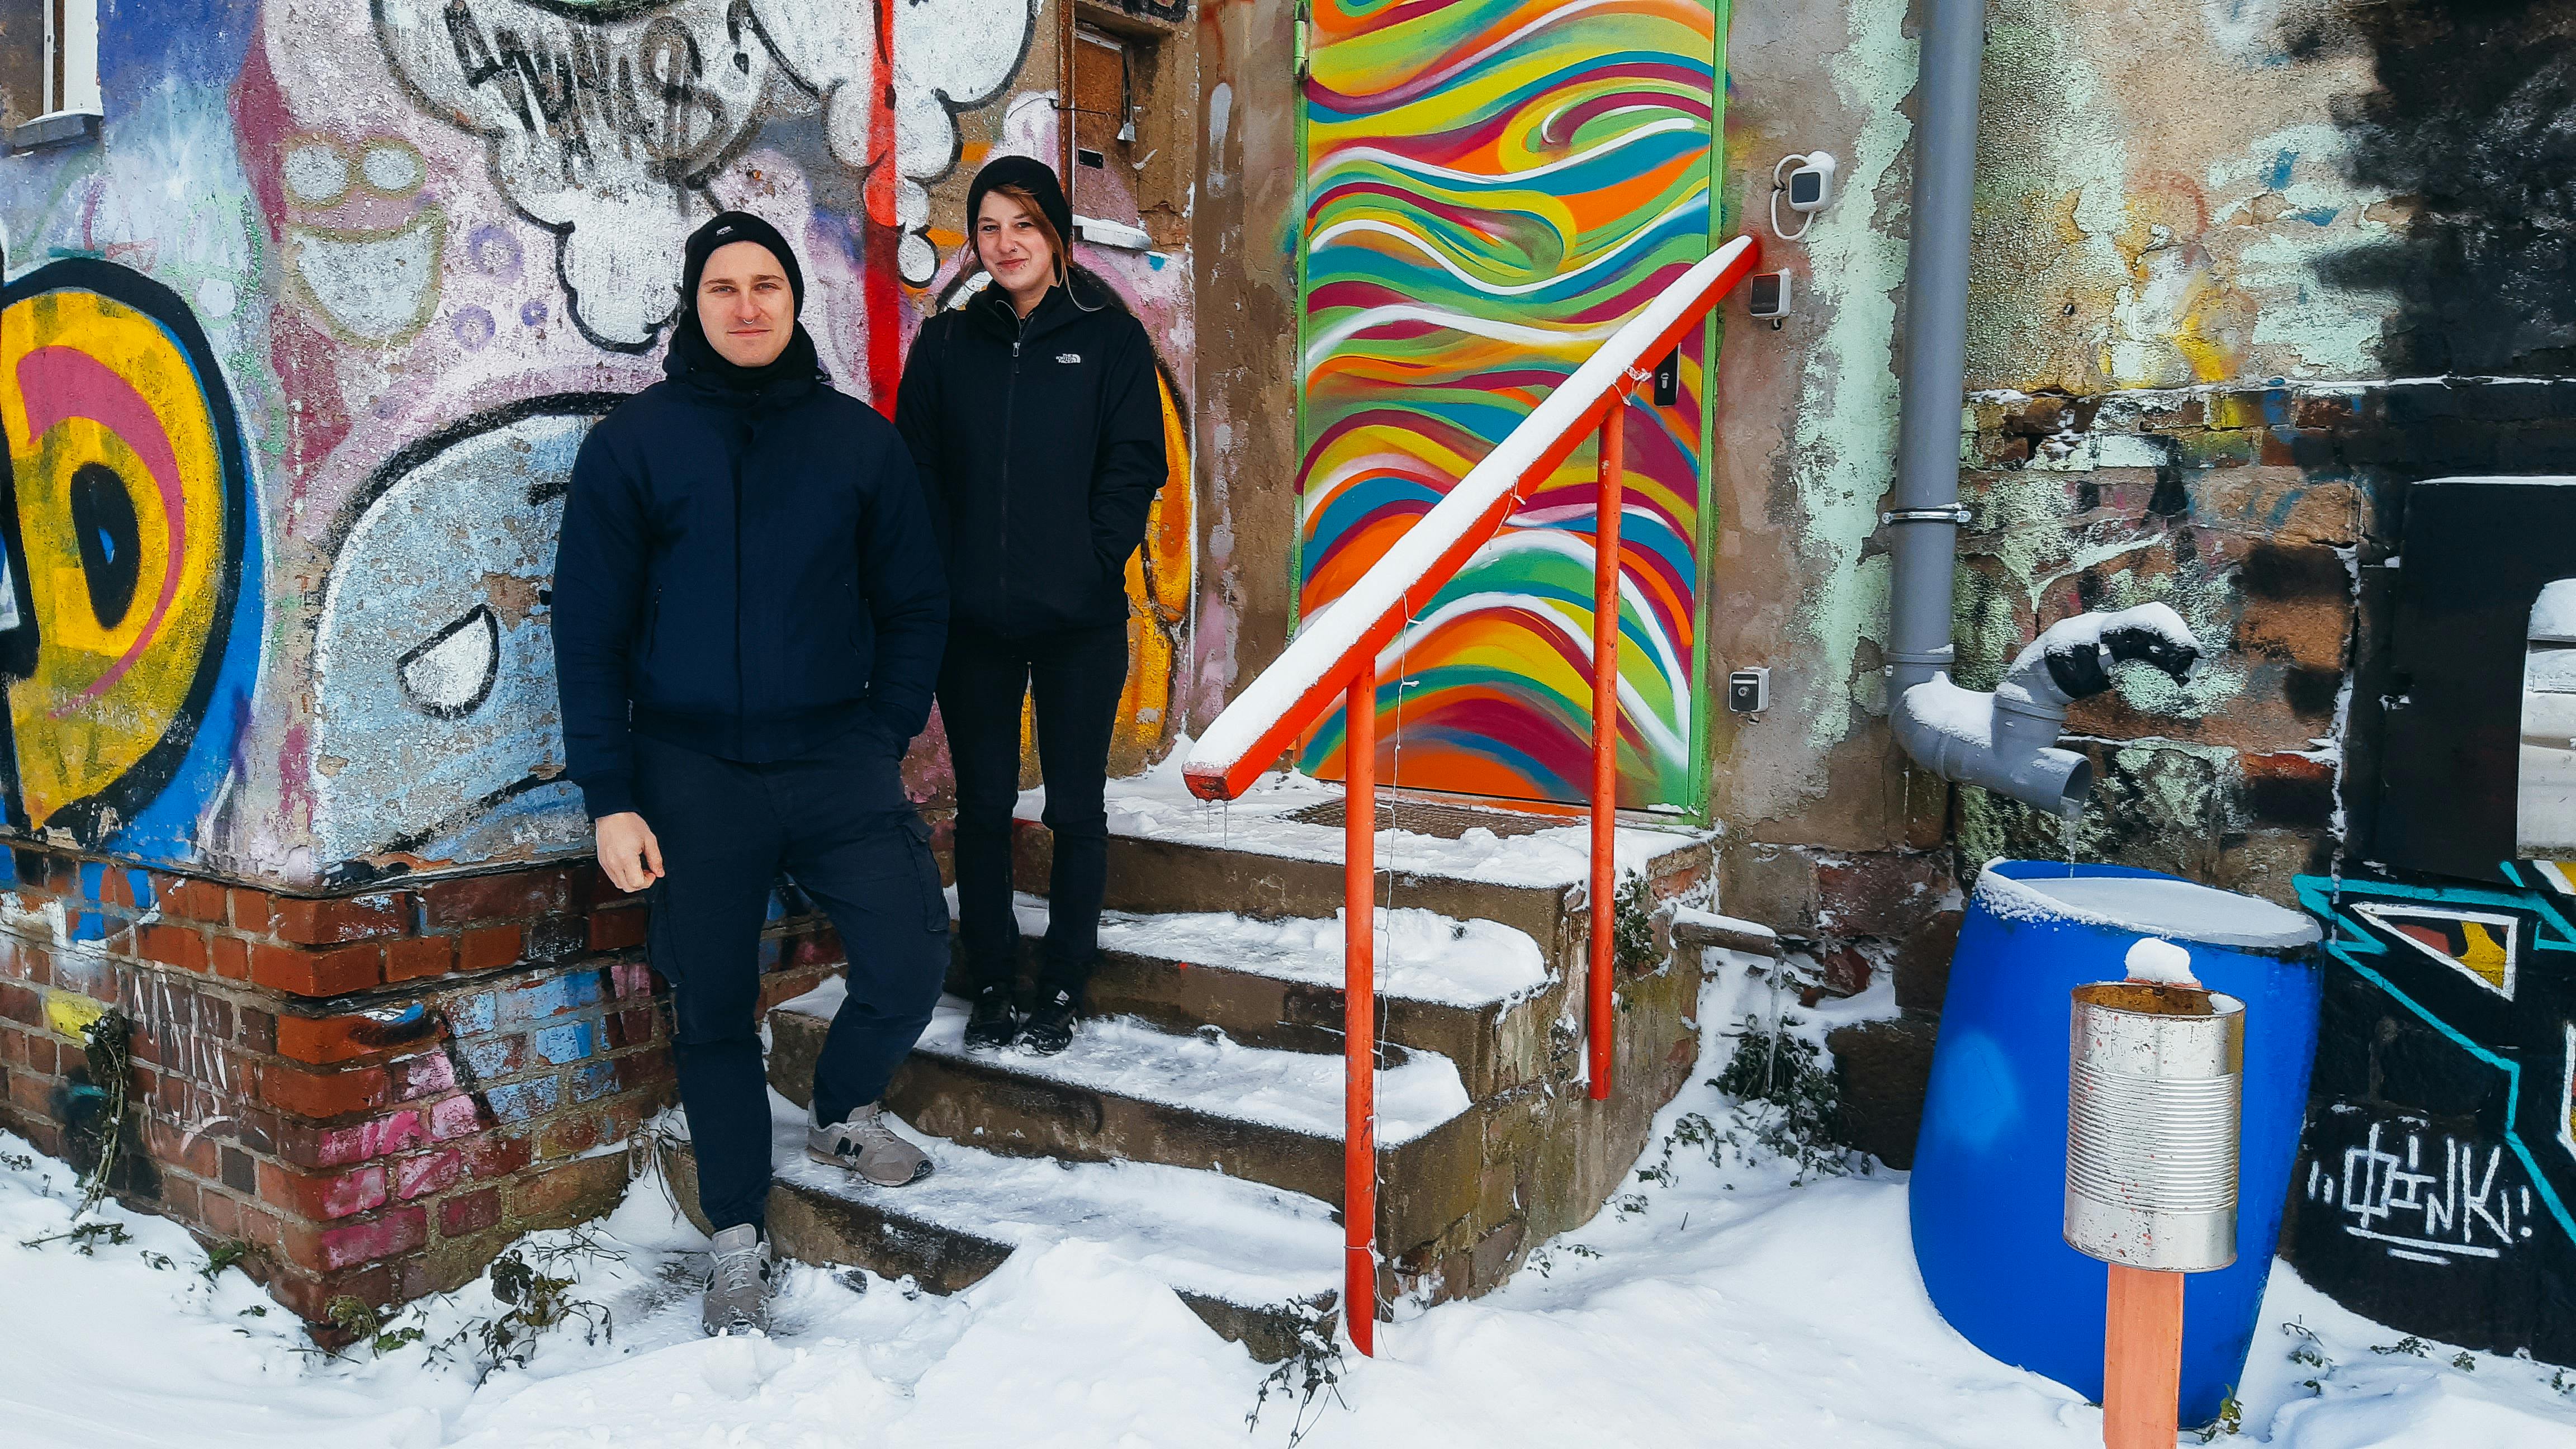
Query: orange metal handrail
x,y
1605,743
1359,1015
1335,658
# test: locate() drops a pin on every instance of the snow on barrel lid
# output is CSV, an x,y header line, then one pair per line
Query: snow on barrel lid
x,y
2151,905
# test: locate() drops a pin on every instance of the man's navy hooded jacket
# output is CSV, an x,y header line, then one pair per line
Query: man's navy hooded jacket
x,y
745,573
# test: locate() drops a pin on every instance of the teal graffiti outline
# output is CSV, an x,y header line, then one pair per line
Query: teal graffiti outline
x,y
2322,897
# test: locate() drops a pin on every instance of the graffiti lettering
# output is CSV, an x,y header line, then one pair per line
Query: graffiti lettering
x,y
2425,1214
608,123
560,92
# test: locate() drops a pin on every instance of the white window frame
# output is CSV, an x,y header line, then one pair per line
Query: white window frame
x,y
69,84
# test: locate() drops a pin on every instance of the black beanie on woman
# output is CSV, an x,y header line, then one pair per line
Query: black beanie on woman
x,y
694,359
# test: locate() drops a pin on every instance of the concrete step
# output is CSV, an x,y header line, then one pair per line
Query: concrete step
x,y
1476,992
1170,854
1256,1263
1126,1092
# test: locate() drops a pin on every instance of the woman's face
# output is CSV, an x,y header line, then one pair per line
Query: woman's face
x,y
1011,247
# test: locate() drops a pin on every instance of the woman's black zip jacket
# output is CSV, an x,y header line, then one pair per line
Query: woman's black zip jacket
x,y
749,578
1040,444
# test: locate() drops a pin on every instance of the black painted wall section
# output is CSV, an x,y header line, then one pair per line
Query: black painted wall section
x,y
2437,1175
2475,119
2477,554
2439,1166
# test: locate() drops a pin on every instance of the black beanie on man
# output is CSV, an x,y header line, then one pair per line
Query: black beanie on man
x,y
1030,174
692,357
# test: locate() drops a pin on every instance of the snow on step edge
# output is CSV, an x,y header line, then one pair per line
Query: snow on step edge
x,y
1421,956
1205,1072
1199,1231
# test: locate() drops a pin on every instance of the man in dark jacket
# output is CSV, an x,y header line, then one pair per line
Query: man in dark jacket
x,y
1035,414
749,614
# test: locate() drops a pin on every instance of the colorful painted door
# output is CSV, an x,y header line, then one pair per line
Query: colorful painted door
x,y
1493,187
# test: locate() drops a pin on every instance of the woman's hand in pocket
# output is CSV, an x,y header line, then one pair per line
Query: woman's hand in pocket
x,y
628,851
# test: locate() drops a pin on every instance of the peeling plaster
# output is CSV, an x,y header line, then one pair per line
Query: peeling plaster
x,y
1843,447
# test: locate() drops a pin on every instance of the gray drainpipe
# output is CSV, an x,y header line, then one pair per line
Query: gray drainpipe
x,y
1924,527
2005,741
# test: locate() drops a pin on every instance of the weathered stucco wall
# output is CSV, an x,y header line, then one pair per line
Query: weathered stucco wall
x,y
324,315
2123,242
2168,297
1245,225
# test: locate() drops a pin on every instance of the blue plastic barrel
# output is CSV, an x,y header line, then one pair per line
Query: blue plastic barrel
x,y
1989,1185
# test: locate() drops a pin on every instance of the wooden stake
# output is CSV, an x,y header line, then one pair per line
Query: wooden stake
x,y
2142,1359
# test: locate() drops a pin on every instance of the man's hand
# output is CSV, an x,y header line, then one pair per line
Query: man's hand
x,y
628,851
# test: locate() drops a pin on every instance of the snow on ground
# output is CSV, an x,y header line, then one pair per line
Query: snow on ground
x,y
1724,1307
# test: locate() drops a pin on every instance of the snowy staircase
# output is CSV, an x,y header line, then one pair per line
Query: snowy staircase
x,y
1258,1264
1196,1123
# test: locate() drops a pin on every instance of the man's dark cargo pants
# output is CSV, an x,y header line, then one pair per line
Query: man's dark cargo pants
x,y
837,822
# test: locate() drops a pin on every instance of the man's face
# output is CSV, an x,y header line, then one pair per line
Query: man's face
x,y
745,304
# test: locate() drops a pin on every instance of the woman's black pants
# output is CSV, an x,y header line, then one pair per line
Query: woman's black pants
x,y
1074,678
837,822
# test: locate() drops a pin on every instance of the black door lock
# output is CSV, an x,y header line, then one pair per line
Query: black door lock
x,y
1668,379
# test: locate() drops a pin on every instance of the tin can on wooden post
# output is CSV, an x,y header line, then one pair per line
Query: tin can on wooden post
x,y
2154,1103
2154,1111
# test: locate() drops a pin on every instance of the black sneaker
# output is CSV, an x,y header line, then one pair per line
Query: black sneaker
x,y
1049,1028
993,1022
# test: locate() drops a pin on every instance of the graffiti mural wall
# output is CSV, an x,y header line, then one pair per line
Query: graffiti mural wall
x,y
2439,1190
130,622
303,344
2438,1187
1493,189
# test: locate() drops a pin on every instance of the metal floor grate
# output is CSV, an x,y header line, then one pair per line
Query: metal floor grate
x,y
1447,822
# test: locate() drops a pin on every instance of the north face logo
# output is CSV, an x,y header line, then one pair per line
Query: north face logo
x,y
1068,357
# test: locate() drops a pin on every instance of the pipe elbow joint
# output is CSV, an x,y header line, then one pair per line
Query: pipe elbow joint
x,y
2007,745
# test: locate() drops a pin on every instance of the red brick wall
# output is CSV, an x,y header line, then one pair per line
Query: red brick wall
x,y
376,1091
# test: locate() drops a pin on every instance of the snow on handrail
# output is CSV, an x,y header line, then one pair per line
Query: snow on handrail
x,y
1309,677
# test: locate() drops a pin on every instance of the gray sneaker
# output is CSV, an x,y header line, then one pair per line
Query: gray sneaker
x,y
738,1290
864,1144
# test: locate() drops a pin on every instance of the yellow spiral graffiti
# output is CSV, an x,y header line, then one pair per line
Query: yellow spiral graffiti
x,y
119,480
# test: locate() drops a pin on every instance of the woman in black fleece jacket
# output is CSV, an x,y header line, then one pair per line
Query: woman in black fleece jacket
x,y
1036,420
